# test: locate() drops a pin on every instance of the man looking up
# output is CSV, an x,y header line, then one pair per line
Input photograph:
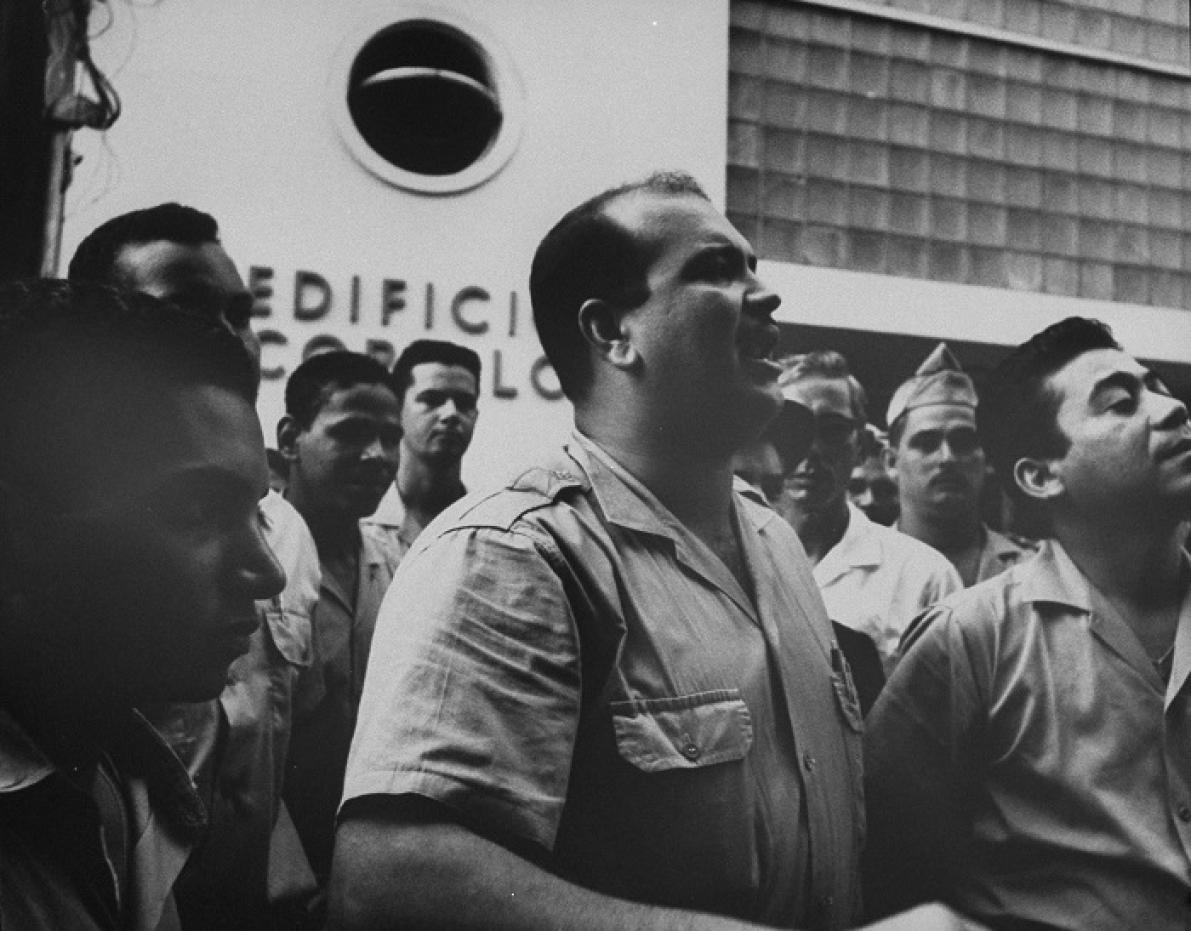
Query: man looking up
x,y
936,457
340,433
873,579
607,694
131,556
1030,759
250,870
437,384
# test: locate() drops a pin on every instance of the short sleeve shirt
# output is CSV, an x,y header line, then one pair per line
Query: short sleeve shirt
x,y
876,580
1028,718
568,667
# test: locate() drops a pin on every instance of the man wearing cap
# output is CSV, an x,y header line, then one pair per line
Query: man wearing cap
x,y
938,462
873,579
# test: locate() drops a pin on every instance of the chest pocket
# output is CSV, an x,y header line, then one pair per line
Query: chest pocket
x,y
683,732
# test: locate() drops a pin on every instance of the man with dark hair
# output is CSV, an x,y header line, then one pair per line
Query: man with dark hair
x,y
130,559
1030,759
340,433
607,695
873,579
251,864
172,252
936,456
437,384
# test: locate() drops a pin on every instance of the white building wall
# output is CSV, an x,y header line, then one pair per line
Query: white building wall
x,y
228,107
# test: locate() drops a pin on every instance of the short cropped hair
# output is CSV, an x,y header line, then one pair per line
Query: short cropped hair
x,y
95,258
589,255
1018,409
314,381
421,351
827,363
81,365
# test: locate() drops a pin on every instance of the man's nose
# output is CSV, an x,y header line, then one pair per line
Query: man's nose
x,y
761,299
260,572
1172,413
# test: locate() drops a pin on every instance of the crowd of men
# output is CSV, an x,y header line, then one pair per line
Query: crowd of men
x,y
731,657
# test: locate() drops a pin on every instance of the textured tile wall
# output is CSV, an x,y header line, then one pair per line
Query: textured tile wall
x,y
887,147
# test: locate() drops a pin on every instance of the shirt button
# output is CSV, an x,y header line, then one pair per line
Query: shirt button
x,y
691,752
808,762
1184,812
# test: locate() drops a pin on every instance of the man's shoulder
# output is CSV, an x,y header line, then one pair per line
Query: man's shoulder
x,y
991,609
286,532
530,497
908,553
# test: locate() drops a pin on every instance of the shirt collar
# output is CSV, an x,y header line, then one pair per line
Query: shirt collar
x,y
22,764
391,510
859,545
628,503
139,751
1053,577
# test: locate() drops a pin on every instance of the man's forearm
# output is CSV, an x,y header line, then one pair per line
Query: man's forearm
x,y
439,874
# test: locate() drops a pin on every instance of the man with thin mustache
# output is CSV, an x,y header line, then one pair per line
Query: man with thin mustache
x,y
936,457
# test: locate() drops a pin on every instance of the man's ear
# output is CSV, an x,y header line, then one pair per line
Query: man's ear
x,y
889,460
1037,478
602,326
288,432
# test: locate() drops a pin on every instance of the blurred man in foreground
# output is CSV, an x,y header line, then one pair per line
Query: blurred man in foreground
x,y
1030,759
131,556
251,870
607,695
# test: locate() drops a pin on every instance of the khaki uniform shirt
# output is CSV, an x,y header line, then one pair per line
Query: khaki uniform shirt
x,y
1028,764
569,667
328,694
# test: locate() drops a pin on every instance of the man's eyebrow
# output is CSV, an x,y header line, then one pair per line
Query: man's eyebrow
x,y
719,243
1127,380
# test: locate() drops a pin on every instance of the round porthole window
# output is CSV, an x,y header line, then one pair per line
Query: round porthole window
x,y
427,102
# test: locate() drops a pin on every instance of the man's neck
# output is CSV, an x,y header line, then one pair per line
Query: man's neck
x,y
820,531
427,488
696,491
959,537
334,533
1140,567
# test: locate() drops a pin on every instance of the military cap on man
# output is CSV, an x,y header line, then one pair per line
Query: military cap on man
x,y
938,380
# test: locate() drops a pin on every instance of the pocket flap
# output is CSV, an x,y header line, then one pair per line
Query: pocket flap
x,y
683,732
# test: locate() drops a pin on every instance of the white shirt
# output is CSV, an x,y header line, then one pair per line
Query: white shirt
x,y
876,580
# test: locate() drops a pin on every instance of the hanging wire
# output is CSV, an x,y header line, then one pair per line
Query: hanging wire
x,y
66,24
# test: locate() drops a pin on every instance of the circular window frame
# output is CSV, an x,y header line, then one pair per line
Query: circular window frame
x,y
506,83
